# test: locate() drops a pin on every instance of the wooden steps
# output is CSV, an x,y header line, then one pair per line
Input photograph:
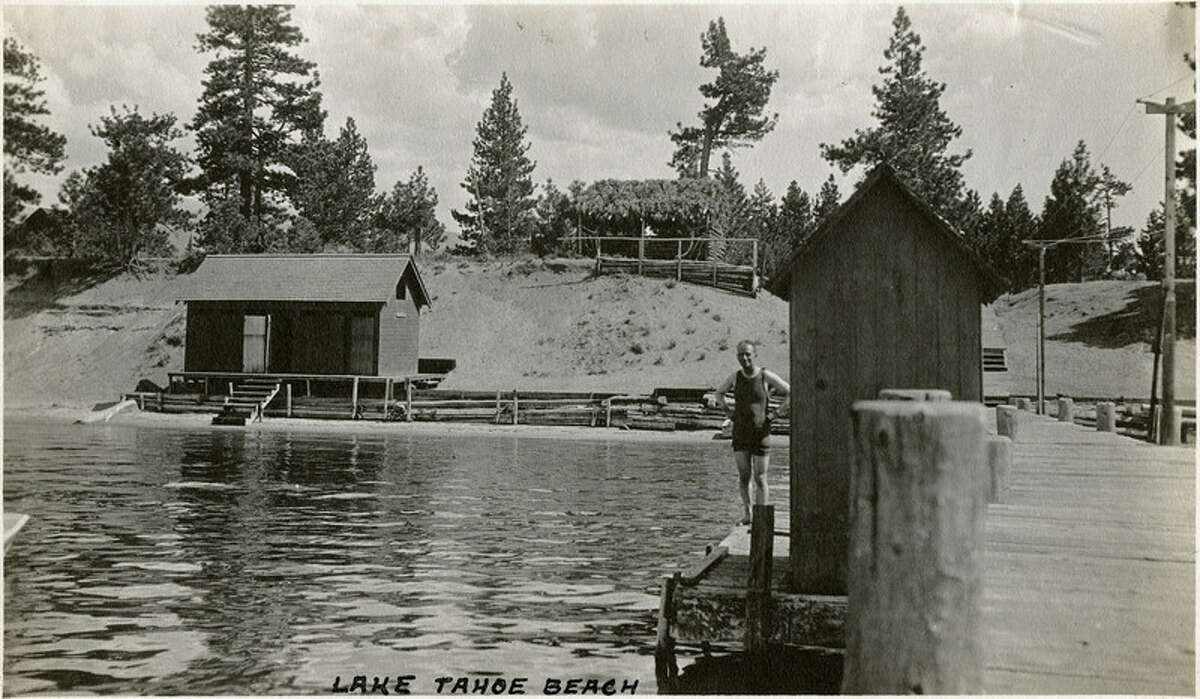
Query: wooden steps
x,y
247,402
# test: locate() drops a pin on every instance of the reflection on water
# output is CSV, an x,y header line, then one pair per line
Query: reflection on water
x,y
215,561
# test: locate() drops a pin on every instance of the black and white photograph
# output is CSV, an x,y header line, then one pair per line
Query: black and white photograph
x,y
763,348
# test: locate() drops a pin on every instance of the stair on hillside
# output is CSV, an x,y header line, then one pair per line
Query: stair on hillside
x,y
247,402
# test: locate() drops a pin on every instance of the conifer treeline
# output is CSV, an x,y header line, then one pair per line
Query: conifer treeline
x,y
270,180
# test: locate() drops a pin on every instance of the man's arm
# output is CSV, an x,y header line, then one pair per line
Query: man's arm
x,y
777,384
717,397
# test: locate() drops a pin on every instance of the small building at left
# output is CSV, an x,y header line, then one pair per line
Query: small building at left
x,y
328,330
304,314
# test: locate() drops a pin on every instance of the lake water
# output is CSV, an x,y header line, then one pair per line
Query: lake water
x,y
223,561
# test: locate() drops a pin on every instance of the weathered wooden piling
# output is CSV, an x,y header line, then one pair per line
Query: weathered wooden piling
x,y
758,583
1066,409
666,670
1006,421
1106,417
916,545
999,461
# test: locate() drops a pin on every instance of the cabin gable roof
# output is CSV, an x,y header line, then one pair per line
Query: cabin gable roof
x,y
991,283
311,278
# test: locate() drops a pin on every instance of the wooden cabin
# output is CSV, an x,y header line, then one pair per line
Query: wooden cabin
x,y
354,315
884,294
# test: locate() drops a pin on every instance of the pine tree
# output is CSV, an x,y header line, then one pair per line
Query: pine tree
x,y
407,218
499,214
729,216
735,119
554,217
1069,212
828,200
1145,257
913,134
124,207
28,145
259,98
1185,165
793,223
335,187
761,220
1020,267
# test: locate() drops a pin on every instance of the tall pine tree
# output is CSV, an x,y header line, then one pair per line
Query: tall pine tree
x,y
335,187
913,134
28,145
499,213
259,98
739,94
1071,211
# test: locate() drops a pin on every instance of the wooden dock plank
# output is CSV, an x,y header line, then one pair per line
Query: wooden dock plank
x,y
1089,566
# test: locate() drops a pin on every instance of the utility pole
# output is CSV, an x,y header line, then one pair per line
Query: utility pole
x,y
1168,432
1040,368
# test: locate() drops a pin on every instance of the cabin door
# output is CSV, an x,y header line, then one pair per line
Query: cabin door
x,y
255,343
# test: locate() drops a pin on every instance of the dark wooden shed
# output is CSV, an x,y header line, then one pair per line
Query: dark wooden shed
x,y
304,314
884,294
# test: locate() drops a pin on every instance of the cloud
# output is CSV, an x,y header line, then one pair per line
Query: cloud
x,y
599,86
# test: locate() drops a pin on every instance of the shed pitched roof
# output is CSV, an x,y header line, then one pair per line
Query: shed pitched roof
x,y
347,278
781,279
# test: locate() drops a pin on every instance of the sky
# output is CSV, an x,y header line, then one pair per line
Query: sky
x,y
599,86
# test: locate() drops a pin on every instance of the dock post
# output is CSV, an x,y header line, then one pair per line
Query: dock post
x,y
999,461
408,409
514,404
354,399
914,570
758,584
496,418
387,396
1006,421
665,668
1066,409
160,401
1106,416
288,390
678,260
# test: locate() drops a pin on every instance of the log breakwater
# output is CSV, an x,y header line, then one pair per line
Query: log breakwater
x,y
663,410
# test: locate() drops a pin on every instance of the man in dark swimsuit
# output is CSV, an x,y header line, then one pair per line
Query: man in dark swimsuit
x,y
752,387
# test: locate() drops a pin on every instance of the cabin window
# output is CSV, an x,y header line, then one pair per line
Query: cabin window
x,y
401,289
362,345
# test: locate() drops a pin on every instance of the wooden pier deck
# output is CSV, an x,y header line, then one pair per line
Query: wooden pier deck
x,y
1089,568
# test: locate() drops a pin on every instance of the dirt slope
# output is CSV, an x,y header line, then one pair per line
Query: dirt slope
x,y
1098,339
538,324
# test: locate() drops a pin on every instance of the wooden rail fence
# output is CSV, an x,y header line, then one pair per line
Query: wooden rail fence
x,y
735,278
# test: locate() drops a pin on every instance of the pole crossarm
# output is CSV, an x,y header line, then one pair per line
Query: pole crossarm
x,y
1188,107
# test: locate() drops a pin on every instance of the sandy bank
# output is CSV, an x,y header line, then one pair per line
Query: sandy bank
x,y
202,421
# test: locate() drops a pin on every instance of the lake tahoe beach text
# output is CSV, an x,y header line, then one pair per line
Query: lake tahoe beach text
x,y
495,686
